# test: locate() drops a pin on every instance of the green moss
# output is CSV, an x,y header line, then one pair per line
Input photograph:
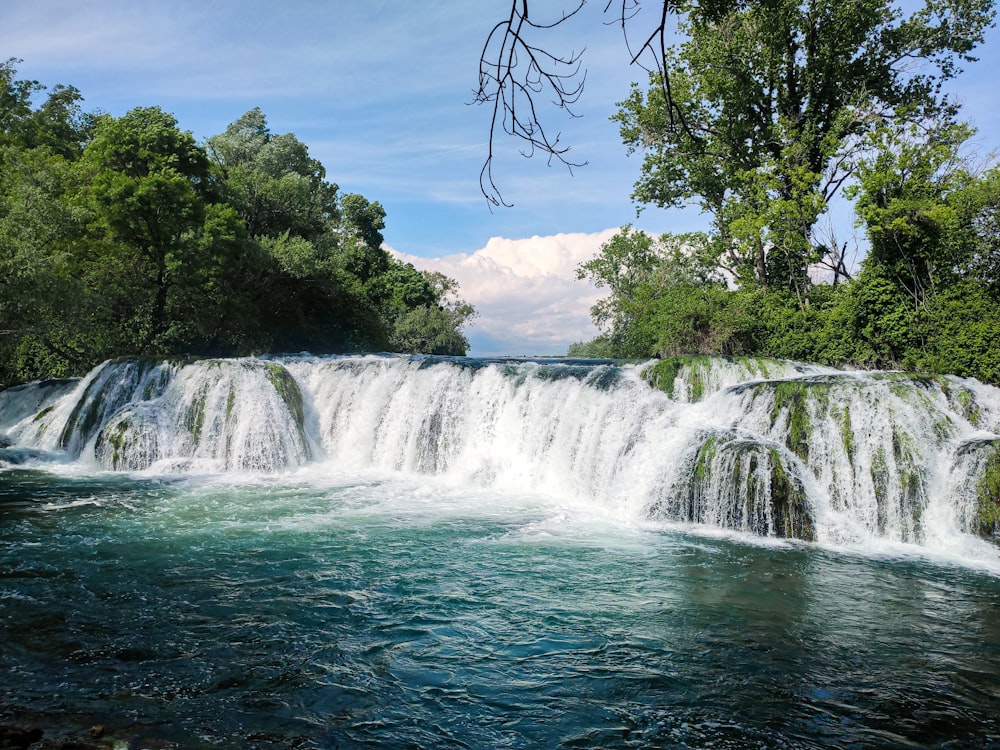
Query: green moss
x,y
792,519
703,461
697,368
43,413
194,418
693,369
155,386
288,389
925,380
230,401
771,500
846,432
792,397
757,366
663,374
965,404
85,414
113,436
880,476
988,510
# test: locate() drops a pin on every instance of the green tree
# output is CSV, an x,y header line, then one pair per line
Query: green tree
x,y
766,107
659,292
428,315
906,199
323,280
161,248
360,252
272,182
41,296
932,224
310,261
41,133
58,122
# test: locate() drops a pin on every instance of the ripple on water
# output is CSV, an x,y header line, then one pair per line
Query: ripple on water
x,y
288,613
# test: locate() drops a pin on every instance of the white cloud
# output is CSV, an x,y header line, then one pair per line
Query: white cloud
x,y
525,290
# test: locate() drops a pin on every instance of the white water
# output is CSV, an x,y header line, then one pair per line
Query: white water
x,y
883,459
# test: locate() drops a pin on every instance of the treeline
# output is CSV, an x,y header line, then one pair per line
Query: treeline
x,y
125,236
772,111
926,296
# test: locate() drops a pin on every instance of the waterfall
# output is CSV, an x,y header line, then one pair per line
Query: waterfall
x,y
213,415
770,448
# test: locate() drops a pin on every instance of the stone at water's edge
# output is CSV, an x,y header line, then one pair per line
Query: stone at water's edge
x,y
739,483
981,457
692,378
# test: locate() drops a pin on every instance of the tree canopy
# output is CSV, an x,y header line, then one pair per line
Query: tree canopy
x,y
760,114
769,110
125,236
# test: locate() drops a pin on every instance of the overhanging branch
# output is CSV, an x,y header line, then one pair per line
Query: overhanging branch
x,y
516,72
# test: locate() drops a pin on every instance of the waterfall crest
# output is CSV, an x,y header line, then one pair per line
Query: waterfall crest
x,y
770,448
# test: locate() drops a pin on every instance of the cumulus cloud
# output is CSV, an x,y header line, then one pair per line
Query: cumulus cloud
x,y
525,290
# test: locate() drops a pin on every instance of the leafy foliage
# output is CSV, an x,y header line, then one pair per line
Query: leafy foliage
x,y
124,236
768,106
926,297
770,109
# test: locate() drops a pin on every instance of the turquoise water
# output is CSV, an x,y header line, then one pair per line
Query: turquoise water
x,y
318,610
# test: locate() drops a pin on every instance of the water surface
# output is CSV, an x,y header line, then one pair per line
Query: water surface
x,y
322,610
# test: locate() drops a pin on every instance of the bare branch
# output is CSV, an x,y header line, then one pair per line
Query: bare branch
x,y
651,55
513,71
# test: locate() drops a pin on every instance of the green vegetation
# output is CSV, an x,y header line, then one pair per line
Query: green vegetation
x,y
288,389
792,399
767,106
771,109
663,374
125,236
770,499
989,496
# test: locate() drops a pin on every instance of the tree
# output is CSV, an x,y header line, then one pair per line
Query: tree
x,y
41,134
322,279
309,254
931,281
427,313
907,195
661,293
143,182
796,78
123,236
41,298
770,104
360,235
272,182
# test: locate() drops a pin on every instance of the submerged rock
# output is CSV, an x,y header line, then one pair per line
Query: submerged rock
x,y
19,737
23,401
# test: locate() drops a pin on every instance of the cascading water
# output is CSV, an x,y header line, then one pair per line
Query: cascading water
x,y
770,448
388,552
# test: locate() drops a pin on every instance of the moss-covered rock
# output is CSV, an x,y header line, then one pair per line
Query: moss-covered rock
x,y
129,441
288,389
792,400
742,484
116,383
988,496
694,377
663,374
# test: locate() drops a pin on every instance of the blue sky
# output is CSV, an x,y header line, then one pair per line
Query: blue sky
x,y
379,91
